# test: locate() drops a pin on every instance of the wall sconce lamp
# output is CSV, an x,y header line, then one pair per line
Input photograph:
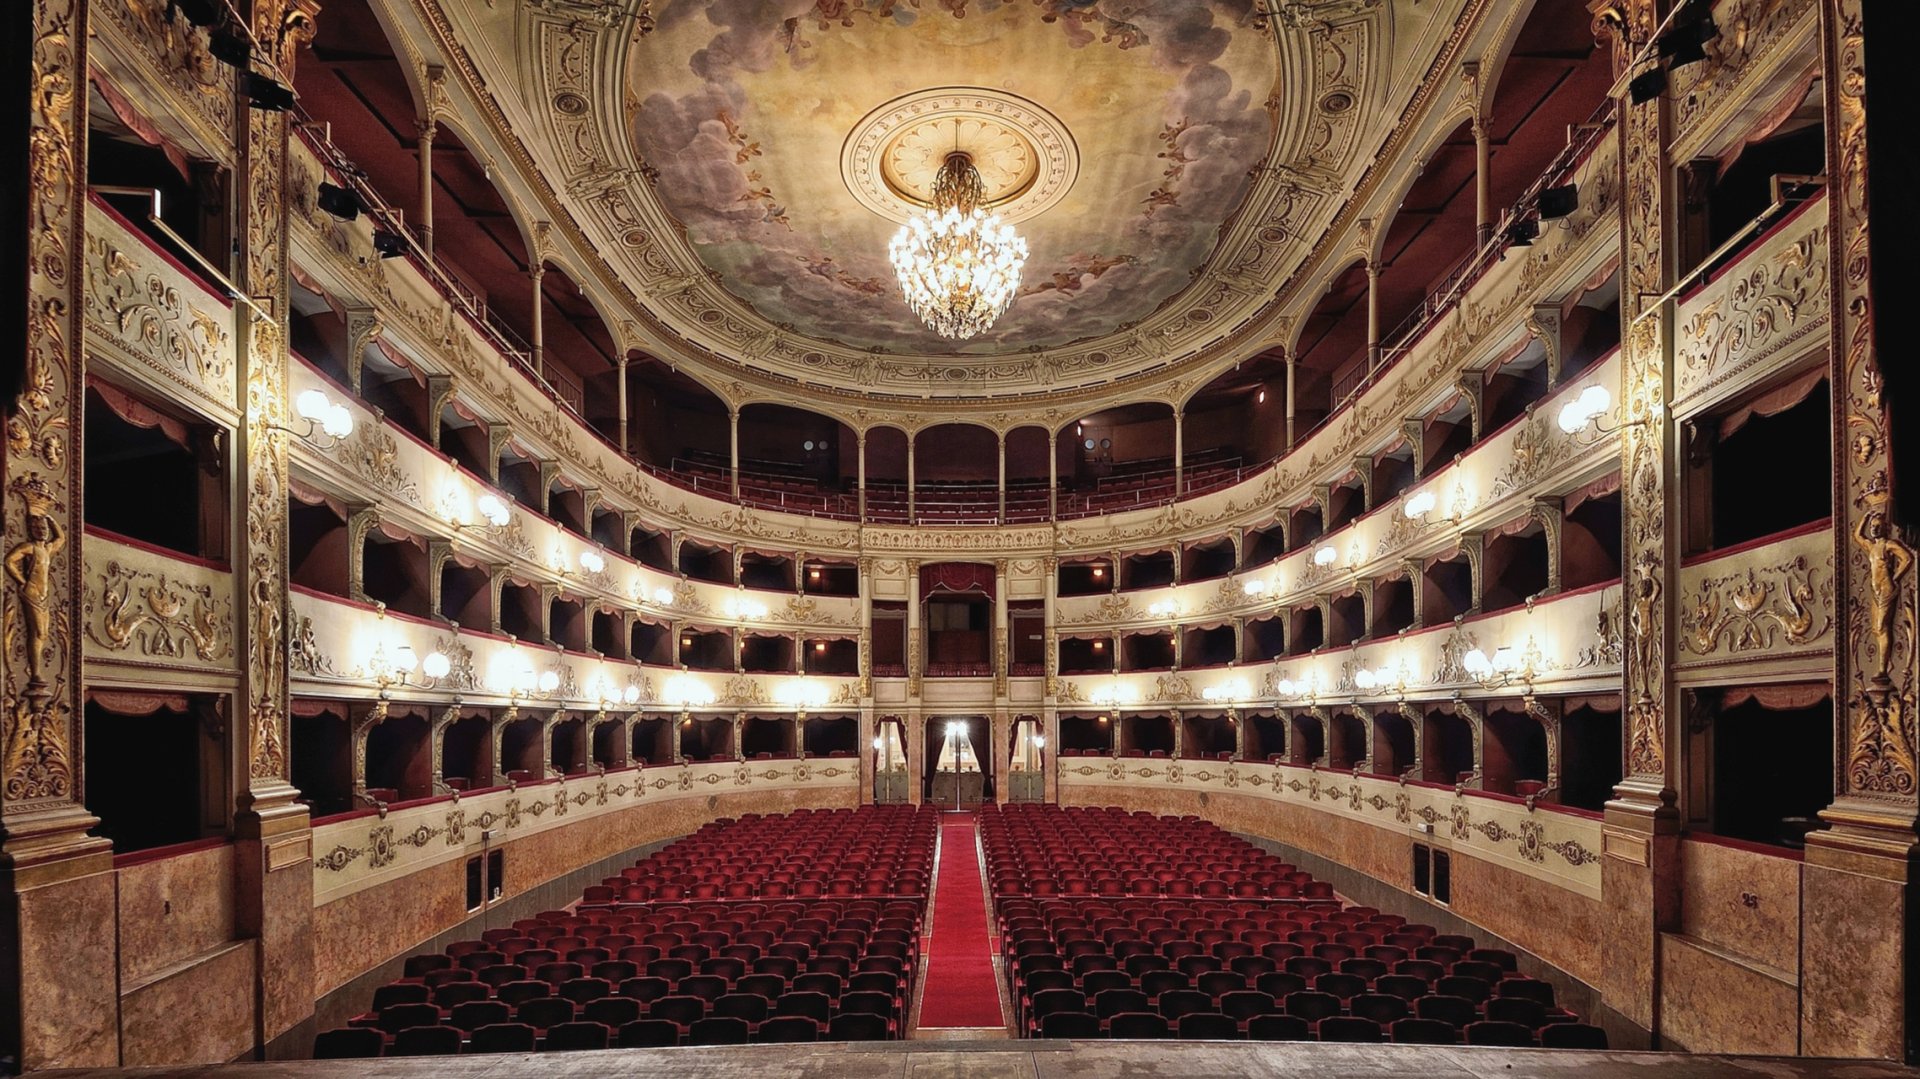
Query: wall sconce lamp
x,y
1584,417
1505,667
324,416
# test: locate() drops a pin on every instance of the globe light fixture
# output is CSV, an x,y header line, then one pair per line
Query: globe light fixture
x,y
959,266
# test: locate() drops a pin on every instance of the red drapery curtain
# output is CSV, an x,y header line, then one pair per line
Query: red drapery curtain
x,y
956,577
1774,401
1777,698
140,414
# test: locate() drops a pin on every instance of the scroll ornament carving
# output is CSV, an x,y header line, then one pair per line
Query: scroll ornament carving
x,y
160,618
1757,609
148,312
374,455
303,650
1113,607
1764,303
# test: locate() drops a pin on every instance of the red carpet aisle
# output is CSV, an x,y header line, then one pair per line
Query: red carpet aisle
x,y
961,989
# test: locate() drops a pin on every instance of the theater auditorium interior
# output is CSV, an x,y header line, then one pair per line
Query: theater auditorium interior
x,y
959,537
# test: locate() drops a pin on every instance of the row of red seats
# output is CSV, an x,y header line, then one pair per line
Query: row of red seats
x,y
610,972
1142,967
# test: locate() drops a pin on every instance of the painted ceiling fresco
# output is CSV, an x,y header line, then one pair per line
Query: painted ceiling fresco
x,y
746,106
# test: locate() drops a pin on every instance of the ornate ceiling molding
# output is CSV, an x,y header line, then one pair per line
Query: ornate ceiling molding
x,y
577,159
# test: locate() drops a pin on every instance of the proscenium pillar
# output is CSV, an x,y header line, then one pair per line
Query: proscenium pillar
x,y
535,273
424,223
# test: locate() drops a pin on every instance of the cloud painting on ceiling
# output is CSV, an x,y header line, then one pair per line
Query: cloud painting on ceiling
x,y
1129,128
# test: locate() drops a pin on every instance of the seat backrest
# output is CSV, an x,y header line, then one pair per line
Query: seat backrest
x,y
1178,1002
648,1034
1208,1026
614,1012
1279,1028
475,1014
676,1008
580,1035
1349,1028
857,1028
398,1017
1424,1032
719,1030
1070,1025
1494,1032
1279,983
788,1028
502,1038
1456,1010
347,1042
1311,1005
1138,1025
1572,1036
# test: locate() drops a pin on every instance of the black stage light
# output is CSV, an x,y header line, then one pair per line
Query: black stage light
x,y
1523,232
338,201
198,12
1647,85
389,245
267,94
1558,202
230,47
1683,44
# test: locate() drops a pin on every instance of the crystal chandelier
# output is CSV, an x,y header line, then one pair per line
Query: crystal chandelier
x,y
959,266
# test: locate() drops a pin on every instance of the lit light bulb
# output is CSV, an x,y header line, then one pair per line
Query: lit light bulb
x,y
1325,555
491,508
1476,663
1420,504
663,596
1364,678
632,695
339,422
878,744
592,562
404,659
549,681
1039,742
1592,403
312,405
436,665
1254,587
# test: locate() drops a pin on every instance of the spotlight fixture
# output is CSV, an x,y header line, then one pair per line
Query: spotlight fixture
x,y
197,12
267,93
389,244
338,201
1523,232
1683,44
231,47
1559,202
1647,85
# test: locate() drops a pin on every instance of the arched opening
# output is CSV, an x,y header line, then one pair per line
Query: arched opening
x,y
798,461
1207,560
1447,743
1346,740
957,611
767,653
1590,534
773,572
706,649
1514,758
1446,433
959,761
833,737
892,785
956,470
887,475
1146,650
1306,631
767,737
609,637
1208,646
1346,502
1237,420
1086,735
1263,639
1148,569
652,741
1759,761
610,743
1265,737
394,570
650,643
466,591
1086,655
1332,350
321,756
316,542
1265,544
1591,750
1206,736
1146,735
1392,743
1027,626
1028,473
157,767
1346,618
567,505
1308,743
823,577
831,656
889,639
706,738
567,623
521,750
708,562
466,752
1392,606
1121,459
651,547
678,427
522,614
579,357
154,474
1305,524
1085,577
1446,583
571,751
400,757
1515,564
1392,472
1513,386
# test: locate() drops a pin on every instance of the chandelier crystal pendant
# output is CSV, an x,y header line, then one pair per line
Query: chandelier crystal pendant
x,y
959,266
